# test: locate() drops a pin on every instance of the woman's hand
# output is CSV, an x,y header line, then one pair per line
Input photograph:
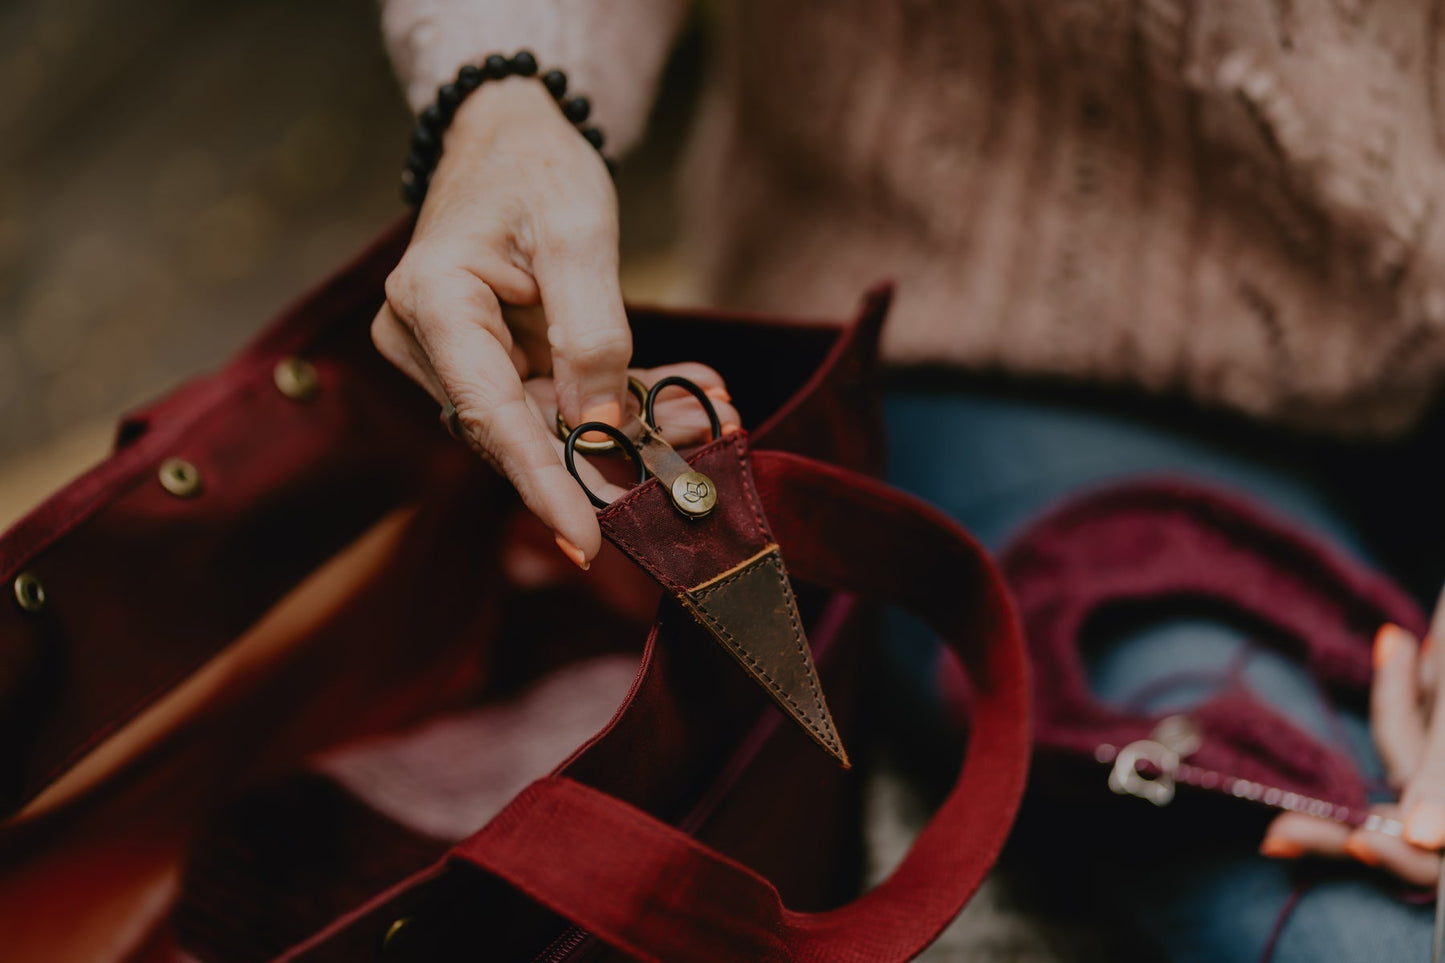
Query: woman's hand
x,y
1407,719
512,273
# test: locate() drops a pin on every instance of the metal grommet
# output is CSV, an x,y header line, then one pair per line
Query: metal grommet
x,y
179,477
296,378
394,941
29,592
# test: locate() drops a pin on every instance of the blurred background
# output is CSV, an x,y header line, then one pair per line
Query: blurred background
x,y
172,173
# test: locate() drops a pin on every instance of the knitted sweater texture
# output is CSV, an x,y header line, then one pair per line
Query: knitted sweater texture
x,y
1236,200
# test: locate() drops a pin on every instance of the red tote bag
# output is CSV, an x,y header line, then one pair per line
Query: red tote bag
x,y
292,555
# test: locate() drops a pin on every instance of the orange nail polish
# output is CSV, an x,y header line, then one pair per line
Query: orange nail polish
x,y
1361,850
574,553
730,427
1425,826
1277,847
1387,643
719,393
609,412
1426,644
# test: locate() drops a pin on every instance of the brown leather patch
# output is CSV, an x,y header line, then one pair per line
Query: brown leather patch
x,y
752,612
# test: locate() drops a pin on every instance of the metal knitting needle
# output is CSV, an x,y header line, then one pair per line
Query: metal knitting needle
x,y
1437,953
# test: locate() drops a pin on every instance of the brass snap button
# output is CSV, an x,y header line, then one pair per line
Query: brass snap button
x,y
296,378
395,941
179,477
29,592
694,494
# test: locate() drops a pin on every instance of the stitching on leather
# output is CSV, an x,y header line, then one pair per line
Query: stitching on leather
x,y
754,501
819,711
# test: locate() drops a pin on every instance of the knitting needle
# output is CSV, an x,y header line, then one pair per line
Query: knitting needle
x,y
1437,953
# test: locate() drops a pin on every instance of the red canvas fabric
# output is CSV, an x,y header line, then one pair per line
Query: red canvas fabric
x,y
1159,546
695,825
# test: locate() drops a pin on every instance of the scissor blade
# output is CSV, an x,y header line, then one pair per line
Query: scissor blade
x,y
751,611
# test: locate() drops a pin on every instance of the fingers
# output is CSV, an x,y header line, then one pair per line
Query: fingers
x,y
1416,866
1423,801
682,421
396,344
1429,652
457,322
1294,835
1396,721
576,270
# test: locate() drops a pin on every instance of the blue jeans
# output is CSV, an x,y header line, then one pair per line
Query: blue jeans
x,y
994,463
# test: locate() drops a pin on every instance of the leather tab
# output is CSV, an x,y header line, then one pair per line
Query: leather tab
x,y
727,571
752,612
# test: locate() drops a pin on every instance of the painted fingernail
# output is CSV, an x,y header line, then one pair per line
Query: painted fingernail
x,y
608,412
1425,826
1277,847
1426,644
731,426
1361,850
578,557
1388,641
718,393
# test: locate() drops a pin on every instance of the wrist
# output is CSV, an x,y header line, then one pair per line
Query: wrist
x,y
528,89
514,104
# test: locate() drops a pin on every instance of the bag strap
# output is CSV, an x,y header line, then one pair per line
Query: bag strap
x,y
651,890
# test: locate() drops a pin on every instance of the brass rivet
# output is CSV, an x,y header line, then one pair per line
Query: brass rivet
x,y
395,939
29,592
297,379
694,494
180,477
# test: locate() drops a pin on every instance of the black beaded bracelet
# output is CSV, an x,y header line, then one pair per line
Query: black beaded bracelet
x,y
433,121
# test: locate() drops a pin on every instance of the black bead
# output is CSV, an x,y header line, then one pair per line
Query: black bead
x,y
577,109
417,165
424,142
556,83
498,66
469,78
431,118
412,193
448,96
524,64
594,136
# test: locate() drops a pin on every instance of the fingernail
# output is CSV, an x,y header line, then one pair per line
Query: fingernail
x,y
578,557
609,412
1277,847
1361,850
1425,645
730,427
718,393
1387,642
1425,826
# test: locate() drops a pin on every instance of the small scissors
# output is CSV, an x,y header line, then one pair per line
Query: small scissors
x,y
693,493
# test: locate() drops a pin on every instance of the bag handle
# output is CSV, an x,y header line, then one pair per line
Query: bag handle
x,y
646,888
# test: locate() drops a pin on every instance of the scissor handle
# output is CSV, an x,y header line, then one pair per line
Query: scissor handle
x,y
692,388
569,453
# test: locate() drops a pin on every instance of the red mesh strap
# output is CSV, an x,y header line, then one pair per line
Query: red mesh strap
x,y
646,888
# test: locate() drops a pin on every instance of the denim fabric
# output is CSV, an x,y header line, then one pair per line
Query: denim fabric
x,y
994,463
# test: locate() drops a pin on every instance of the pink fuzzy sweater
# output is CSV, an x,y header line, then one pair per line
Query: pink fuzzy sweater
x,y
1236,199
